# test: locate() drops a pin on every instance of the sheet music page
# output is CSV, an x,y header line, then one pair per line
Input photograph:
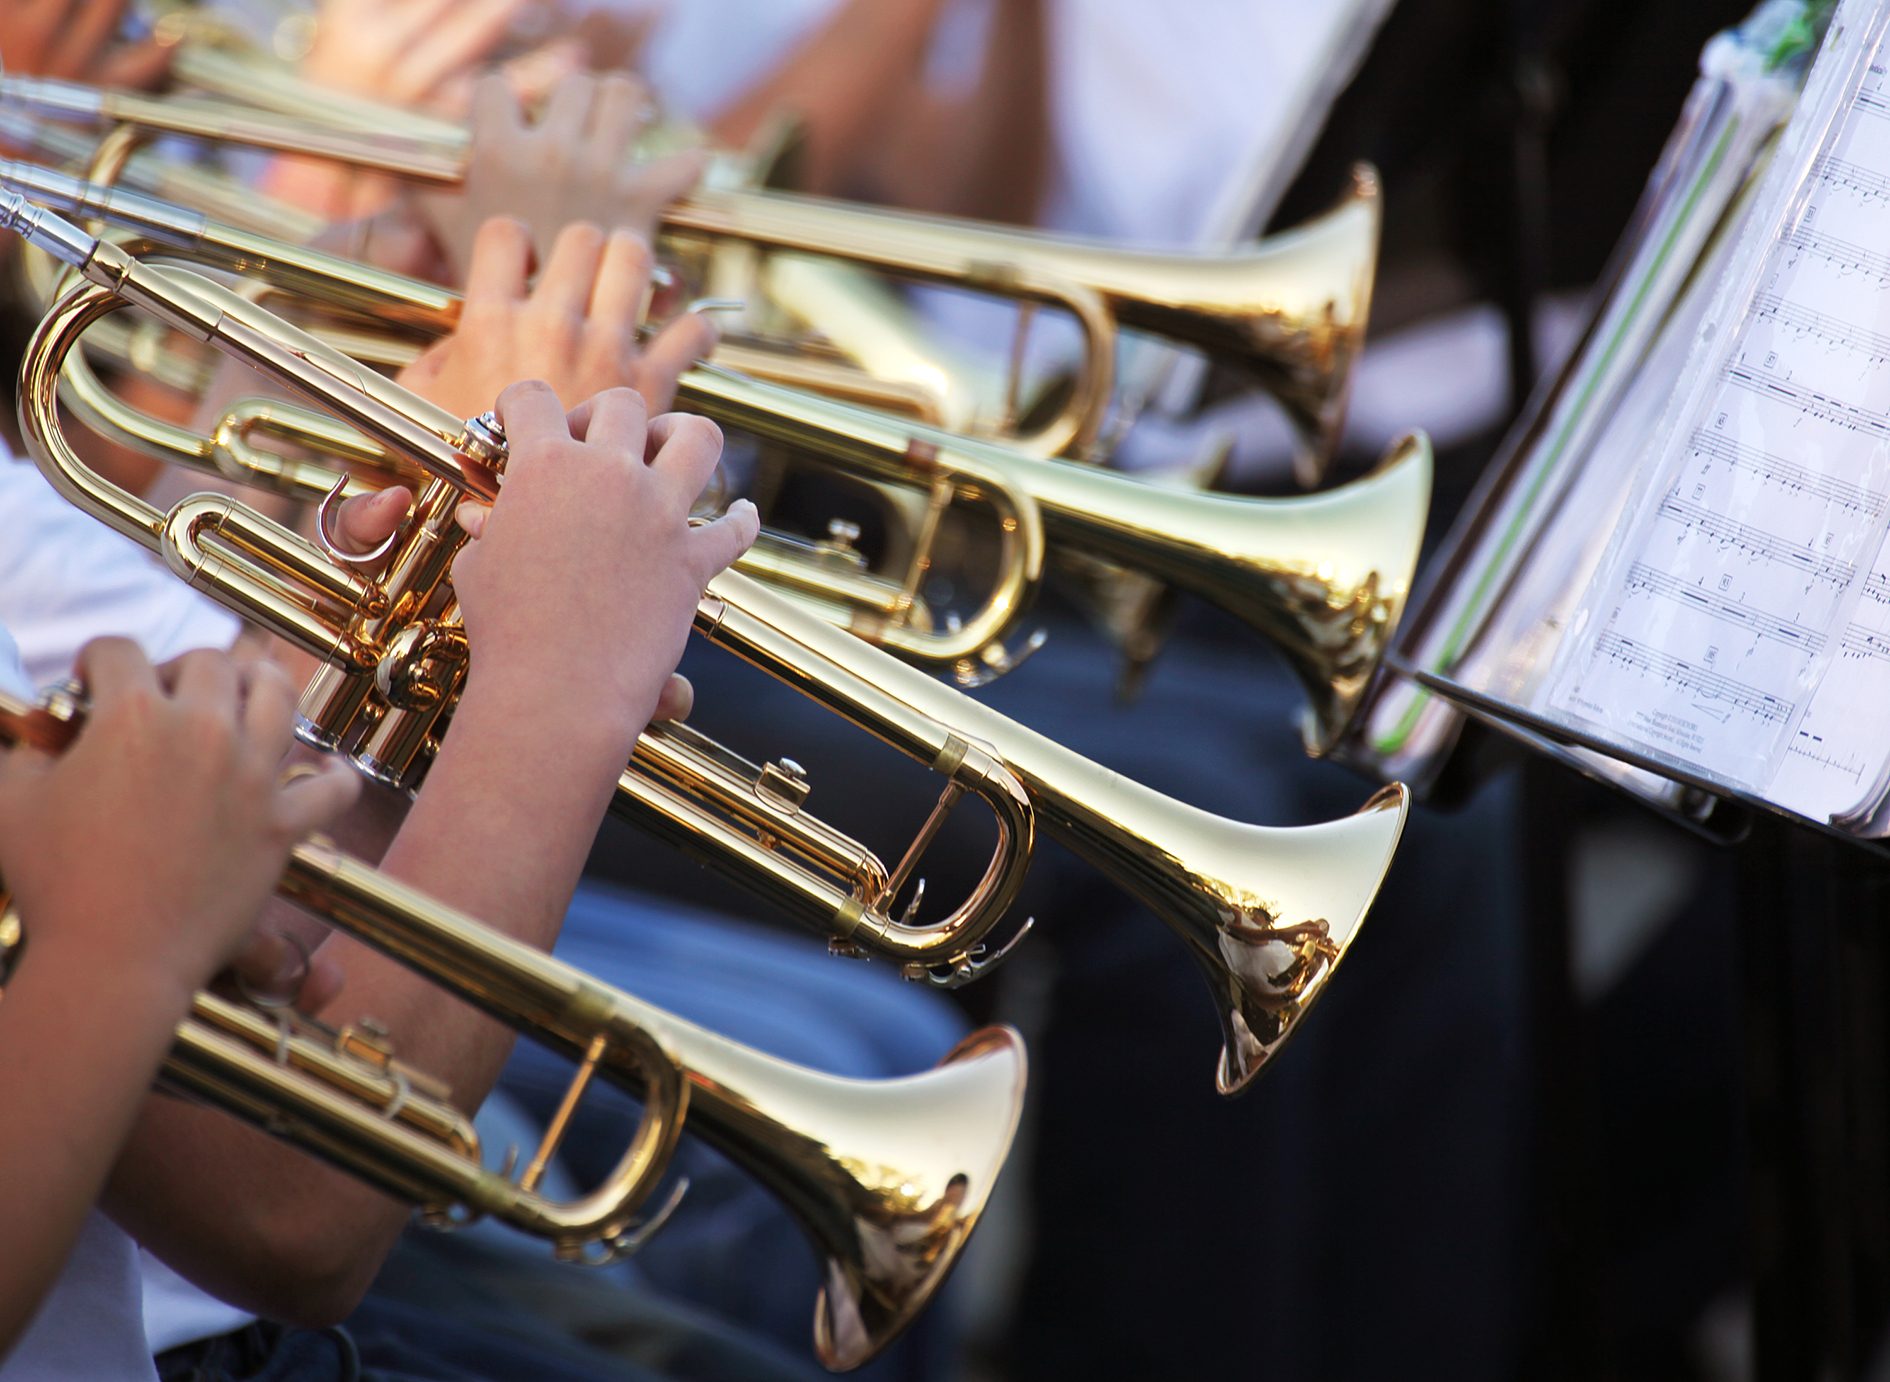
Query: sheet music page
x,y
1736,628
1536,540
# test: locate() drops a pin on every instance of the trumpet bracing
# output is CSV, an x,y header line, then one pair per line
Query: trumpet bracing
x,y
888,1178
1268,913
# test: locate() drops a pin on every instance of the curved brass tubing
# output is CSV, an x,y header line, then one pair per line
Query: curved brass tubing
x,y
1269,913
888,1178
155,230
1292,309
750,826
1323,577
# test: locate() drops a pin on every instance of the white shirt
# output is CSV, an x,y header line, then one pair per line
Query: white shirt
x,y
1170,127
66,578
89,1328
1158,112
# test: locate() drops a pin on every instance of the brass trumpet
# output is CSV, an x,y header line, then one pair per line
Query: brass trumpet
x,y
888,1178
1268,913
1291,310
1323,577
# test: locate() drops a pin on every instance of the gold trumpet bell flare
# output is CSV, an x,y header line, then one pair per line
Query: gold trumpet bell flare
x,y
893,1234
1306,345
1339,607
1274,961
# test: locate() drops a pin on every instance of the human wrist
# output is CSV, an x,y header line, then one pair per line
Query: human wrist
x,y
575,712
133,981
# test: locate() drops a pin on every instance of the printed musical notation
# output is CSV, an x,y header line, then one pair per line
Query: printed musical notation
x,y
1742,625
1702,684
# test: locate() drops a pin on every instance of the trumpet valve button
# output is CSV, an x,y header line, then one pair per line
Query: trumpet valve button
x,y
483,440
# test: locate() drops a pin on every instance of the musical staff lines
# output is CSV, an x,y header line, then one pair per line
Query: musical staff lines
x,y
1846,176
1702,683
1742,622
1811,752
1842,255
1861,642
1732,613
1757,543
1873,346
1788,475
1809,402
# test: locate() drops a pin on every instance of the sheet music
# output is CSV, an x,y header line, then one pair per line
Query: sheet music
x,y
1743,626
1536,540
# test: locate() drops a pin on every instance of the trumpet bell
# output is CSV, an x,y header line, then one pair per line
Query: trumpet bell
x,y
1290,310
1269,956
920,1158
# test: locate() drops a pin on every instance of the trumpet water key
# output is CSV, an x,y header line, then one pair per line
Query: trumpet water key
x,y
888,1178
1269,913
1291,310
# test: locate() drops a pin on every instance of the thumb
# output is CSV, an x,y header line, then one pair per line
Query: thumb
x,y
367,520
472,517
717,544
678,698
313,800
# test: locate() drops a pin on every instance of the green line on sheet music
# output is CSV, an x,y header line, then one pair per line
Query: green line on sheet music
x,y
1460,632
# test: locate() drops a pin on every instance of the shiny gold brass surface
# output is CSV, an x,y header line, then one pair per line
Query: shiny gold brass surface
x,y
1291,310
1268,913
1323,577
888,1178
890,614
356,625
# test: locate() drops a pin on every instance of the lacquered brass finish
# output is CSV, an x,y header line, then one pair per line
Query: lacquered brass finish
x,y
1323,577
352,623
888,1177
1267,912
1291,310
897,620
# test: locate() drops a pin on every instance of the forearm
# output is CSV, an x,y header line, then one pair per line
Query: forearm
x,y
500,831
841,84
72,1077
984,154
